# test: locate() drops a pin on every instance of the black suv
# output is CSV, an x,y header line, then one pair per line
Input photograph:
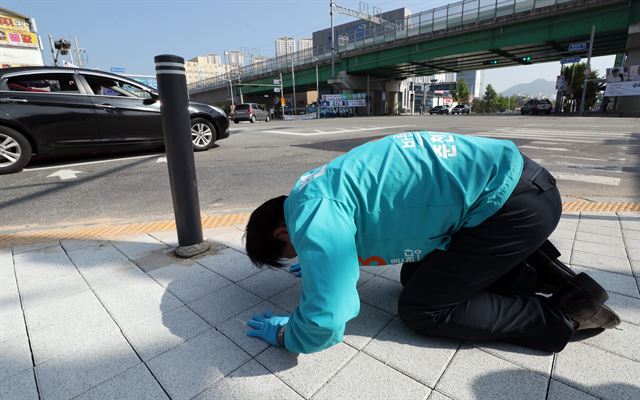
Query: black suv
x,y
54,110
439,110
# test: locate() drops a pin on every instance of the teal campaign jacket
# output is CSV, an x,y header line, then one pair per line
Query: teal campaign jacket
x,y
389,201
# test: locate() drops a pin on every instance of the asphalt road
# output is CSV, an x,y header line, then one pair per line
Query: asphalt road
x,y
593,158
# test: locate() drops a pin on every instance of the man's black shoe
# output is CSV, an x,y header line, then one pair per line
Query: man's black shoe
x,y
551,272
582,299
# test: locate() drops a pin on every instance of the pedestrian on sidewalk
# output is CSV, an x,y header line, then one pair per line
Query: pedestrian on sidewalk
x,y
468,218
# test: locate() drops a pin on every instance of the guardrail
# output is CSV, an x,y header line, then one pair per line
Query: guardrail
x,y
467,13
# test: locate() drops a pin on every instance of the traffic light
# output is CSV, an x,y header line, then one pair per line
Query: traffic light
x,y
526,59
490,62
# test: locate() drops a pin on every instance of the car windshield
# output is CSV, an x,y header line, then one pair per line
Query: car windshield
x,y
242,107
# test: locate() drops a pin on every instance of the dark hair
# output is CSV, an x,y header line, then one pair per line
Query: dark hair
x,y
262,247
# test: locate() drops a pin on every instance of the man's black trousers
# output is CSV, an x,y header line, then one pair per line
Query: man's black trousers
x,y
479,288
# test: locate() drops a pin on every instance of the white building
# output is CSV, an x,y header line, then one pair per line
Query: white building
x,y
305,44
285,45
259,61
234,57
203,67
19,41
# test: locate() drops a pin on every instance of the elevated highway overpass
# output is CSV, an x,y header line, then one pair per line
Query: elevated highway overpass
x,y
457,37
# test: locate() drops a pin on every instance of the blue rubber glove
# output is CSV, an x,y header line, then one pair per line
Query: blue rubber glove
x,y
266,327
295,270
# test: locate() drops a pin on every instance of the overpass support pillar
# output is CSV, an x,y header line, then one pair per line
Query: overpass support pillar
x,y
631,104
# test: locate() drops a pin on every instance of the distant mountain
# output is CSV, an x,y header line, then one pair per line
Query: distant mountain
x,y
533,89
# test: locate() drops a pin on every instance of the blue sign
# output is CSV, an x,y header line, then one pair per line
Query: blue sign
x,y
577,46
570,60
151,82
117,70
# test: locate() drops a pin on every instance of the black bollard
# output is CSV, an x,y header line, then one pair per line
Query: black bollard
x,y
176,124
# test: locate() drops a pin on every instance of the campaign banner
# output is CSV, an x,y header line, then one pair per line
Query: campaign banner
x,y
22,39
622,89
344,100
14,24
630,73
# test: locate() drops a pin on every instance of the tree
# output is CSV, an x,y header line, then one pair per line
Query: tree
x,y
490,99
574,76
461,93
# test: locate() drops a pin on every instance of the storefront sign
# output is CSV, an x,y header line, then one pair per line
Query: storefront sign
x,y
22,39
14,24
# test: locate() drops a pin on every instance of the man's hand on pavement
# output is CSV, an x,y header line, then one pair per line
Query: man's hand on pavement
x,y
266,327
295,270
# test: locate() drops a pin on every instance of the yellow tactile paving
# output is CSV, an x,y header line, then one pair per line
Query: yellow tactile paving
x,y
213,221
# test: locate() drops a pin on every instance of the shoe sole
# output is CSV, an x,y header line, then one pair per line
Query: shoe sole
x,y
605,317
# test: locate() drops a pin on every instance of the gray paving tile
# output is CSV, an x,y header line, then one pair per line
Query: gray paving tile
x,y
364,277
136,383
392,273
622,340
367,378
635,266
93,256
597,372
561,235
231,264
289,298
71,374
475,374
628,308
615,264
602,232
629,221
604,249
632,243
361,330
162,332
158,259
43,265
80,308
189,281
71,337
534,360
16,356
236,328
615,241
197,364
230,236
617,283
438,396
268,282
12,323
130,305
306,373
21,386
382,293
109,273
170,238
600,219
422,358
374,269
21,249
223,304
560,391
251,381
34,292
77,244
6,263
138,246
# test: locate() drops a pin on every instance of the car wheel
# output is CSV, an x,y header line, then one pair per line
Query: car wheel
x,y
15,151
253,119
235,121
267,119
203,134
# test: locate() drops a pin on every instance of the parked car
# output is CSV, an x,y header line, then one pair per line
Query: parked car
x,y
251,112
54,110
439,110
461,109
536,106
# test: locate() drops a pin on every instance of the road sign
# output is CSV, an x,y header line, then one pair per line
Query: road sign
x,y
117,70
276,81
578,46
587,72
276,90
570,60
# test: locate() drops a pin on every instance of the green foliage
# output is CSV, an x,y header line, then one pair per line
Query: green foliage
x,y
574,76
461,92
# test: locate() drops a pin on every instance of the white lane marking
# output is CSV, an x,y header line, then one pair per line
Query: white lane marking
x,y
338,131
161,160
544,148
531,136
65,174
589,159
561,132
90,162
598,179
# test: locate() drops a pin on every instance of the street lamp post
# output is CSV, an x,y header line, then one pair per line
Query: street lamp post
x,y
226,63
586,75
293,78
333,35
317,91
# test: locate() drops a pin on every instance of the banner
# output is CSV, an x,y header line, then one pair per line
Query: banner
x,y
622,89
14,24
624,74
22,39
344,100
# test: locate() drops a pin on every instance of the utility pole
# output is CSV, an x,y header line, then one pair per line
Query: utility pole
x,y
293,78
586,75
283,101
333,40
317,92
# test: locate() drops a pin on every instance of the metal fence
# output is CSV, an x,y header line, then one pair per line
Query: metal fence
x,y
466,13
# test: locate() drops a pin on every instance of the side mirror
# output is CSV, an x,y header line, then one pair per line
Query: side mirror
x,y
150,100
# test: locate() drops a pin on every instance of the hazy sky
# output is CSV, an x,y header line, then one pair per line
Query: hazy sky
x,y
129,33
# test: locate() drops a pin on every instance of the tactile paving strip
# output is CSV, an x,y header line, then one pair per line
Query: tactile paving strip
x,y
214,221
